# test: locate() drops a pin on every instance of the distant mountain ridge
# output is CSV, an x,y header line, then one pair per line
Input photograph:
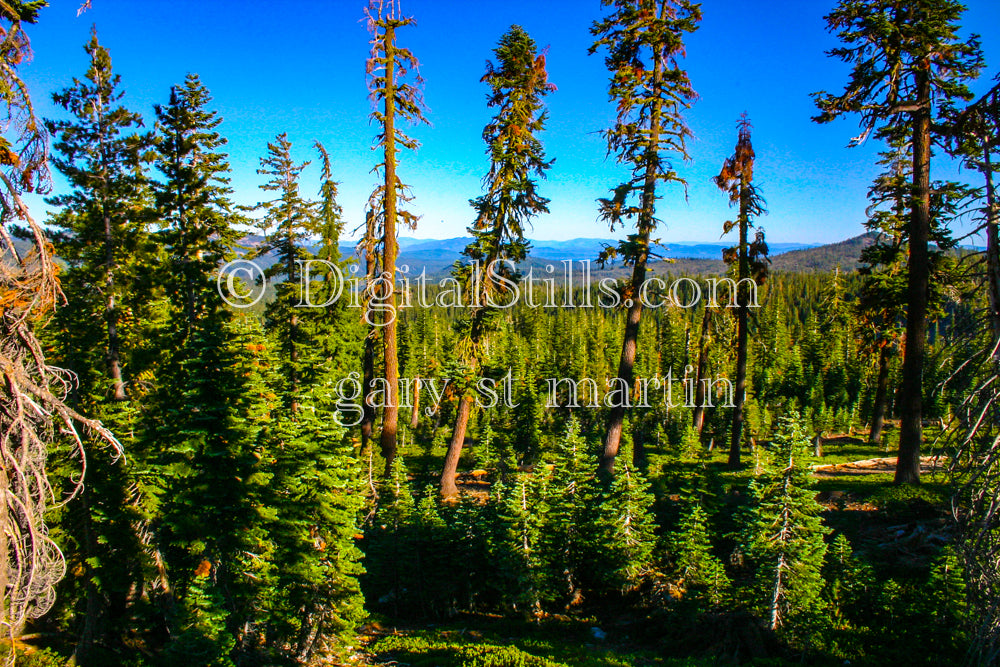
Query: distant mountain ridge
x,y
824,258
436,256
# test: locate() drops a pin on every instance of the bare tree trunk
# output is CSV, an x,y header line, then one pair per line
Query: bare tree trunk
x,y
368,356
5,532
992,243
389,249
736,436
699,387
911,394
448,488
415,411
881,397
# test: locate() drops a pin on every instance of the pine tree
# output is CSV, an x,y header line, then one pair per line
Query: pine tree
x,y
316,499
192,200
624,528
643,39
335,329
518,83
402,547
697,571
564,539
212,401
388,68
288,221
99,334
214,475
907,60
100,155
315,489
526,416
522,513
750,258
882,297
849,589
784,534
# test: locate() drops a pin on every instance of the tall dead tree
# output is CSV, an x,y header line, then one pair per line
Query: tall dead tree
x,y
748,258
397,100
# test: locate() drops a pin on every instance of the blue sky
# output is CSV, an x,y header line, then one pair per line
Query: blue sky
x,y
298,67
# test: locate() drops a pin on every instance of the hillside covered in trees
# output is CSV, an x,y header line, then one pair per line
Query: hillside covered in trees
x,y
241,435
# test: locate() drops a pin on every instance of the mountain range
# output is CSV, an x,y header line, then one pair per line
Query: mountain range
x,y
437,256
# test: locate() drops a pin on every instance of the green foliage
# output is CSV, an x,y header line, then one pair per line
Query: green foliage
x,y
568,647
624,527
567,538
783,532
697,571
40,658
103,334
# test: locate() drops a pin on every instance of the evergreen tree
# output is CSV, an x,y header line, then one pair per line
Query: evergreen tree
x,y
750,258
849,589
388,68
624,528
907,61
518,83
192,200
99,335
102,219
388,543
522,513
287,223
314,503
697,571
214,475
212,468
784,534
565,538
643,39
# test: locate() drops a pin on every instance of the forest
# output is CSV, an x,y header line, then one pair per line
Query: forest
x,y
756,460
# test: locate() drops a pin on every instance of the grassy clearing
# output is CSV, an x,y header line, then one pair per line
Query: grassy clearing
x,y
509,644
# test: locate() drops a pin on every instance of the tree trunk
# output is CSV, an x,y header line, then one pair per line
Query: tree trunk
x,y
992,244
448,488
293,324
881,397
699,386
113,352
740,389
391,413
415,411
368,356
111,314
626,363
911,388
5,563
368,371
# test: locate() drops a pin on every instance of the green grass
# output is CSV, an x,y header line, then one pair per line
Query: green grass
x,y
569,646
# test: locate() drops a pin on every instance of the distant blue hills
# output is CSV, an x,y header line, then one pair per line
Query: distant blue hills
x,y
581,248
437,256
